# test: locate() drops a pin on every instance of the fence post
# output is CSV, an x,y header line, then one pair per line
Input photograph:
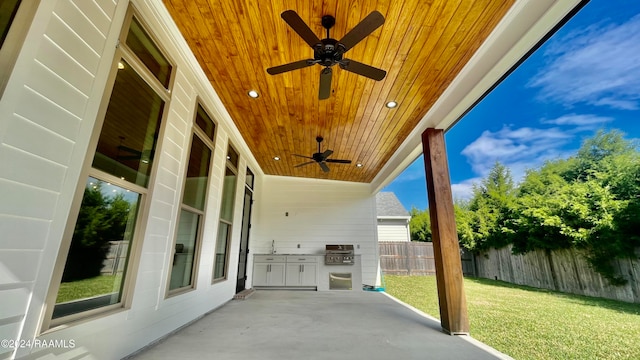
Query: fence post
x,y
407,259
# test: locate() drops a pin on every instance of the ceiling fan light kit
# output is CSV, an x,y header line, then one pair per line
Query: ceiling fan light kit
x,y
329,52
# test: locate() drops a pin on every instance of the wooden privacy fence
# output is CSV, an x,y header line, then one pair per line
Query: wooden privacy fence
x,y
561,270
407,258
416,258
116,258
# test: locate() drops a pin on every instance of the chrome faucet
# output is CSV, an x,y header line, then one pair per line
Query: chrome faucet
x,y
273,246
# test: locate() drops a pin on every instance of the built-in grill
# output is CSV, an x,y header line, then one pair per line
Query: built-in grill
x,y
339,255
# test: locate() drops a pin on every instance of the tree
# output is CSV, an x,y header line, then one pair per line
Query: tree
x,y
465,221
420,225
492,203
101,219
589,202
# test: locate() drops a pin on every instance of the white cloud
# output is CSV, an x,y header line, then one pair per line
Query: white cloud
x,y
464,190
598,65
518,149
588,120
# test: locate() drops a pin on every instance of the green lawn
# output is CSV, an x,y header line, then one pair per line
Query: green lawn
x,y
85,288
529,323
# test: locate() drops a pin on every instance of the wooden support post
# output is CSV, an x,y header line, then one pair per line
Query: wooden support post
x,y
453,305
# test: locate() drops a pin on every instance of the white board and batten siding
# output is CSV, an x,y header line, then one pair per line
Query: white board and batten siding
x,y
48,114
313,213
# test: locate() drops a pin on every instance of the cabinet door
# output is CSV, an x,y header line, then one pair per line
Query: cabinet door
x,y
276,275
293,274
260,274
309,275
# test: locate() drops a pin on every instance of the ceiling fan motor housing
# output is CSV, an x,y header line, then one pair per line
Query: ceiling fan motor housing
x,y
318,157
328,52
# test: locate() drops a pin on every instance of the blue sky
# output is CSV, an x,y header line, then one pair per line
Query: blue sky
x,y
585,78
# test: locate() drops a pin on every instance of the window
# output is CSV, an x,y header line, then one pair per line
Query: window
x,y
129,136
248,180
96,270
144,48
187,243
226,216
97,259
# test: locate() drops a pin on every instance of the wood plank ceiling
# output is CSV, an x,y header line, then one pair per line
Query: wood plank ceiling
x,y
422,46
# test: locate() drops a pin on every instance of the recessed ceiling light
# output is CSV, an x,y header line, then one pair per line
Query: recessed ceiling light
x,y
359,164
252,93
276,158
391,104
120,65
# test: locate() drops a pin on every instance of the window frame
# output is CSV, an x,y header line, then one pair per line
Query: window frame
x,y
210,143
228,165
133,259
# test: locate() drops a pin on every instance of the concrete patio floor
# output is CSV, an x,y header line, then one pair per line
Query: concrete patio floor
x,y
279,324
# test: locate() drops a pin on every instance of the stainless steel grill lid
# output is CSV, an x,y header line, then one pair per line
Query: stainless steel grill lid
x,y
339,255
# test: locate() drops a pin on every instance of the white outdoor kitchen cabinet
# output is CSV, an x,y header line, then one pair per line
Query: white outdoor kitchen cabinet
x,y
269,270
285,271
301,271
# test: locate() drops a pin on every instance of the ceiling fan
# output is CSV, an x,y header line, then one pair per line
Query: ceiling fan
x,y
329,52
321,158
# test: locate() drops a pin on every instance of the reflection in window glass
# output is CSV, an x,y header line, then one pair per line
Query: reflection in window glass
x,y
224,232
205,123
147,51
8,10
232,157
195,188
97,260
226,220
185,250
129,136
228,198
248,180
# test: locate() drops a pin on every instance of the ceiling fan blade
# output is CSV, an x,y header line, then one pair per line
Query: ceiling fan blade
x,y
303,164
362,30
339,161
303,156
324,166
327,153
363,69
325,84
288,67
300,27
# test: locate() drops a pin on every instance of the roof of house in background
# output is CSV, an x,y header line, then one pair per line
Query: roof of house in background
x,y
387,205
